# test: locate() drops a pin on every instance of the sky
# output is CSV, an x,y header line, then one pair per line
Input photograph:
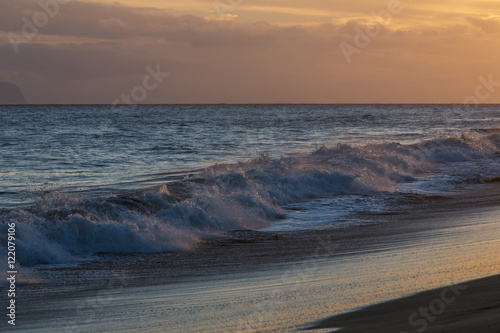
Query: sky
x,y
252,51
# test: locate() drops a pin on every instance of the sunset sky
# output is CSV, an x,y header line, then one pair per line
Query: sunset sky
x,y
272,51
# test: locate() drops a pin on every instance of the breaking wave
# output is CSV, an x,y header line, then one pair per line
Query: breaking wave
x,y
61,227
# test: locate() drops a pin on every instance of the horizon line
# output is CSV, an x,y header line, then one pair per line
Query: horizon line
x,y
165,104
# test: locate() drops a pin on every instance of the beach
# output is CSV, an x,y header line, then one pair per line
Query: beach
x,y
253,218
283,282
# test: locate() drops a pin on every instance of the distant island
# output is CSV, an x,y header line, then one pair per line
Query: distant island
x,y
11,94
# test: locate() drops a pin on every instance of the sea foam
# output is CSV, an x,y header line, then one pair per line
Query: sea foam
x,y
62,227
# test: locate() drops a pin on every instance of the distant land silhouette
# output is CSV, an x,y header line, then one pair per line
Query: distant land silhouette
x,y
11,94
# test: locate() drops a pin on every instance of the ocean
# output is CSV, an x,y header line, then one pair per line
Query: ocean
x,y
85,180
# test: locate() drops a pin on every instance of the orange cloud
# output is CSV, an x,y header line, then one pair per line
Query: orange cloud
x,y
488,25
91,52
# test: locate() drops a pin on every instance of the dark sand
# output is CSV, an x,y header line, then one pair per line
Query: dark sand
x,y
472,306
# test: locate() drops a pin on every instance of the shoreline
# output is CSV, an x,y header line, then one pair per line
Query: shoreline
x,y
475,305
368,232
462,308
353,266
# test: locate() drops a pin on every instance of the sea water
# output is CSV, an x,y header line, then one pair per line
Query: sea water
x,y
79,180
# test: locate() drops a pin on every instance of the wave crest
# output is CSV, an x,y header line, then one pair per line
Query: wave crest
x,y
177,216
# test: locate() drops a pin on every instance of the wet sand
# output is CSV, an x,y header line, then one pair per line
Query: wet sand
x,y
275,282
472,306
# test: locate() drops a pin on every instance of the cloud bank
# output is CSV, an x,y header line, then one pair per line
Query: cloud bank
x,y
92,52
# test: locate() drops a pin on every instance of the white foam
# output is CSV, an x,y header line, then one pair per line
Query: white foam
x,y
248,195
